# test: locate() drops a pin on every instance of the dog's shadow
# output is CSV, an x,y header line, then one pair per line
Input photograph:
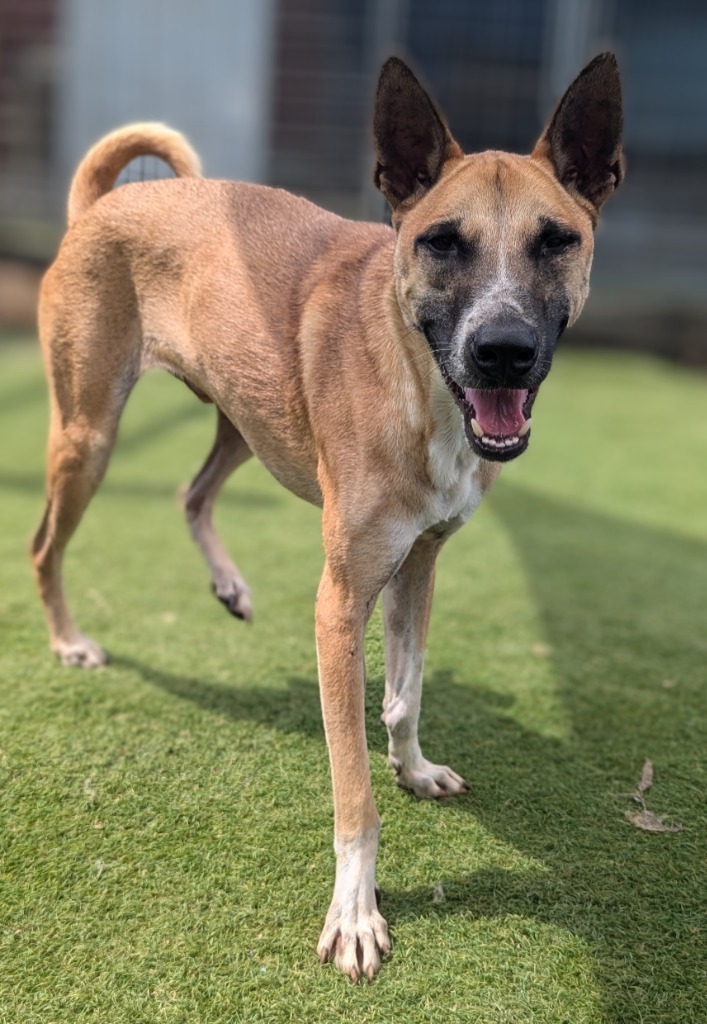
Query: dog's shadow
x,y
623,611
292,710
622,606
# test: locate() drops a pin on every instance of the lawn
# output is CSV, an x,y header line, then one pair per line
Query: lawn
x,y
166,822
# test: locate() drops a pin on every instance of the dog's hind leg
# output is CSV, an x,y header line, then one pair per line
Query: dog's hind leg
x,y
228,453
406,603
82,433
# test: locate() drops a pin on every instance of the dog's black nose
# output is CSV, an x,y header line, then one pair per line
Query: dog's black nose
x,y
504,353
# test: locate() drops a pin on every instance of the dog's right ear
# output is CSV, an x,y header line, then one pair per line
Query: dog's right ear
x,y
412,141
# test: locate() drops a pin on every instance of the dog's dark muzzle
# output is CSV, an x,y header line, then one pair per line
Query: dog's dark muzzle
x,y
502,354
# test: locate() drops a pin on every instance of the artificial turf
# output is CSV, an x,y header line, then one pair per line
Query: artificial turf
x,y
165,823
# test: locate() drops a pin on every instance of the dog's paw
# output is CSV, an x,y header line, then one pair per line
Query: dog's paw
x,y
429,781
80,652
235,597
356,939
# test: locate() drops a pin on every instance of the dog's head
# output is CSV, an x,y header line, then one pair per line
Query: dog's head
x,y
494,250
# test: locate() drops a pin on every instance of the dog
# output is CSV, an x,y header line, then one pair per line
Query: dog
x,y
383,373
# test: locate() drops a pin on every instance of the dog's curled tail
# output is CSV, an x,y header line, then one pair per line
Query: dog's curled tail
x,y
103,163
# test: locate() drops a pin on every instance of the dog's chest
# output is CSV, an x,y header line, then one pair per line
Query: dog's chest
x,y
454,470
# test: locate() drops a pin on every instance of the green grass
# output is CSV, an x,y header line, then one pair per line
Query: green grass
x,y
166,822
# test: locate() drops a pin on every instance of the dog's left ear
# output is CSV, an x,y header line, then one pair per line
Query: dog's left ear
x,y
583,139
412,141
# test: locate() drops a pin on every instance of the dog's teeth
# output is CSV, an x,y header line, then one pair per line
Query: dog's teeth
x,y
525,428
501,442
478,432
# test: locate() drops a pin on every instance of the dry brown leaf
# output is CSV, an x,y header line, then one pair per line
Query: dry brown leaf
x,y
650,822
646,778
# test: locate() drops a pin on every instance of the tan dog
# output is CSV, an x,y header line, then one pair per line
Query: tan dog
x,y
381,373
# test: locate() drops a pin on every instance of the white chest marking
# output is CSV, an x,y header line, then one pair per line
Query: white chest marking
x,y
453,466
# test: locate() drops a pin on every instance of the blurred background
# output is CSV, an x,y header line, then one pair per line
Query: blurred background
x,y
280,91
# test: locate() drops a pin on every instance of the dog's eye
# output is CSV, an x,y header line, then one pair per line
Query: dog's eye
x,y
444,242
555,243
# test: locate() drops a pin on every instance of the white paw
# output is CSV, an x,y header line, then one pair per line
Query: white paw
x,y
80,652
428,781
356,938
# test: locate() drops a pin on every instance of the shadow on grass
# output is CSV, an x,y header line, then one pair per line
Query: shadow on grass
x,y
33,483
292,710
623,612
623,608
635,899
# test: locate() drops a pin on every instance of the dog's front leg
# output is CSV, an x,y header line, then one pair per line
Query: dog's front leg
x,y
407,600
354,934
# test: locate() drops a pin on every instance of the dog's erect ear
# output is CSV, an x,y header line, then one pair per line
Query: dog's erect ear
x,y
412,141
583,139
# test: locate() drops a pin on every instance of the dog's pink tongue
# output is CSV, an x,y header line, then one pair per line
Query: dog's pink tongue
x,y
498,412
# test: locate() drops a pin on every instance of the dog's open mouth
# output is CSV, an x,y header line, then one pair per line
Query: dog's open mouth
x,y
496,420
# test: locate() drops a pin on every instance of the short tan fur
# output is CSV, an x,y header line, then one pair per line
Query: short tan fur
x,y
382,373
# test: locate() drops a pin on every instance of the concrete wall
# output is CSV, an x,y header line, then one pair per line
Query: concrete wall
x,y
202,67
